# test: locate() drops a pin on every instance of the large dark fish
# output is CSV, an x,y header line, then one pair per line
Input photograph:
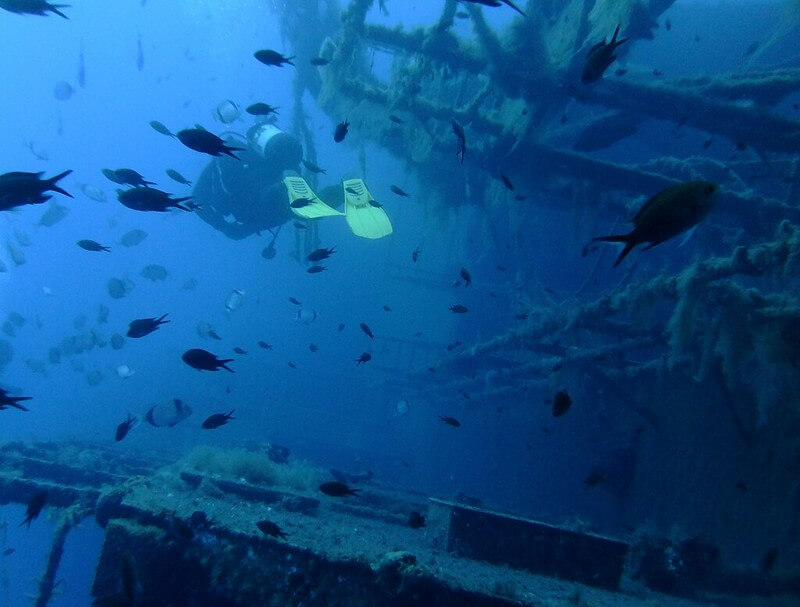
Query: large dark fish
x,y
201,140
666,215
145,326
337,489
203,360
150,199
270,57
19,188
216,420
33,7
600,57
168,413
124,428
35,506
6,400
341,131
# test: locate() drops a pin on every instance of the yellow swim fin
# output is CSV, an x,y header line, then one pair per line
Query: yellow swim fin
x,y
304,202
365,219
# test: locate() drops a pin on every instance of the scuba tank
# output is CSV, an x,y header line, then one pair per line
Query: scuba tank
x,y
280,151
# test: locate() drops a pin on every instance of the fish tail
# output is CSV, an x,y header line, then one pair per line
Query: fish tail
x,y
55,7
177,203
52,184
161,320
230,151
626,238
222,363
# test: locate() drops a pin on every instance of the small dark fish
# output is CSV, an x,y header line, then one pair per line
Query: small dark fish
x,y
768,561
299,203
400,191
501,268
201,140
466,395
521,316
396,119
6,401
341,131
600,57
594,479
667,214
387,307
351,191
450,421
240,351
313,167
295,301
415,254
316,269
9,551
202,360
273,58
270,528
453,346
752,48
145,326
35,505
337,489
466,276
340,327
150,199
561,403
367,330
506,181
496,3
160,127
124,428
620,71
292,365
300,225
91,245
364,358
214,335
520,197
707,143
264,345
319,61
741,486
319,255
313,347
261,109
176,176
458,309
217,419
564,119
668,25
376,204
416,520
139,53
458,130
33,7
658,73
131,177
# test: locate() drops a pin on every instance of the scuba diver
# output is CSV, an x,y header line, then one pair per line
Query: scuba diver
x,y
263,190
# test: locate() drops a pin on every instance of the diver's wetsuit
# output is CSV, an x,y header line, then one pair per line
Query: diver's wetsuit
x,y
242,197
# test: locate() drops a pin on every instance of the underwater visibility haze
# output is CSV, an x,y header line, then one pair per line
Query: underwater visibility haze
x,y
400,302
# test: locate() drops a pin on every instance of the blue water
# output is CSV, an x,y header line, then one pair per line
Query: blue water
x,y
196,54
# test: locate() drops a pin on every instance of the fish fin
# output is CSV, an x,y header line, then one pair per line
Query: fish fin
x,y
52,185
626,238
149,416
616,33
688,236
